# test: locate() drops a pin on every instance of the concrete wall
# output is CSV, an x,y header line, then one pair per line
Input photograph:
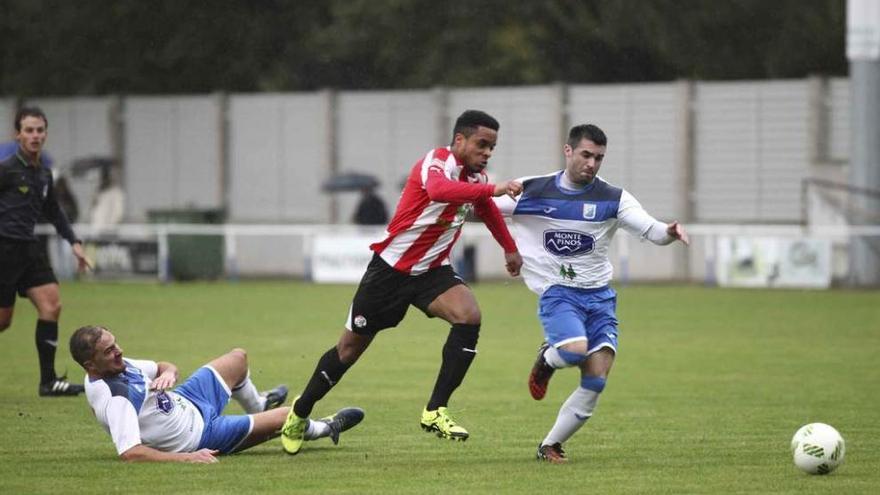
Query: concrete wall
x,y
752,149
172,154
279,154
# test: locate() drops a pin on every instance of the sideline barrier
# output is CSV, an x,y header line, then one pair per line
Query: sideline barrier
x,y
339,259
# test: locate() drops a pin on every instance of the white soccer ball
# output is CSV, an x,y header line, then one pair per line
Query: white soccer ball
x,y
817,448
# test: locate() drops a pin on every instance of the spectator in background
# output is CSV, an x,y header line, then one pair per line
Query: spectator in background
x,y
370,209
109,205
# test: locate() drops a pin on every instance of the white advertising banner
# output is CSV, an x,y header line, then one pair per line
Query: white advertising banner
x,y
863,29
773,262
340,259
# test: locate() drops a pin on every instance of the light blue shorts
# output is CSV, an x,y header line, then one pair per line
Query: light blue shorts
x,y
570,314
209,393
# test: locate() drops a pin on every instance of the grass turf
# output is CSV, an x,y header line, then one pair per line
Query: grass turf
x,y
708,389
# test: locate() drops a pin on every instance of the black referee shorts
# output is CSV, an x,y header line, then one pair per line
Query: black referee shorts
x,y
23,265
385,294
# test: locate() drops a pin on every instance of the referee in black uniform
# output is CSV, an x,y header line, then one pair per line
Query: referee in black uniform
x,y
26,192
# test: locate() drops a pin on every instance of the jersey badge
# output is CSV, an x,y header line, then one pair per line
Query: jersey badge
x,y
163,403
589,211
461,214
23,189
360,321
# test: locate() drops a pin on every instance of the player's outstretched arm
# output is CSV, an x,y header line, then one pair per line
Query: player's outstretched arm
x,y
635,220
676,231
488,211
511,188
142,453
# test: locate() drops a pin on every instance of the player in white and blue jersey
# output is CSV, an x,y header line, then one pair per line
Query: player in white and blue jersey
x,y
148,421
563,225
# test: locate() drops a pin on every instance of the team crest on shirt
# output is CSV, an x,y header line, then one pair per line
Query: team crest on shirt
x,y
566,243
589,211
461,215
163,403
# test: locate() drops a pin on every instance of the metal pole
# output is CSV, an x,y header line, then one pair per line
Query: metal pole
x,y
164,256
863,51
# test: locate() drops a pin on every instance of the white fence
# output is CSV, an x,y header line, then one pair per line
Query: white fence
x,y
338,253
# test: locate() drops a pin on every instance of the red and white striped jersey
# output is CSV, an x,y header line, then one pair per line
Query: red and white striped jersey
x,y
438,195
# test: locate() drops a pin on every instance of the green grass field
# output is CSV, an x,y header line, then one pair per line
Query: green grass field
x,y
708,389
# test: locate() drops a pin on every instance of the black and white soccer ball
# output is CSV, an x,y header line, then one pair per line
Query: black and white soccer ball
x,y
817,448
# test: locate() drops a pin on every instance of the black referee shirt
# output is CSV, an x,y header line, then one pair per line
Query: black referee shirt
x,y
26,192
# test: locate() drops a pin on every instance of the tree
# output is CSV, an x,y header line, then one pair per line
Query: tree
x,y
54,47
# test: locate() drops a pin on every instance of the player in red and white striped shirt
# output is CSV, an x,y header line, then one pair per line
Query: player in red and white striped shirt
x,y
411,267
439,193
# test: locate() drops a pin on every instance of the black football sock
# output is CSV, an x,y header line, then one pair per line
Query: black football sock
x,y
47,342
327,373
458,353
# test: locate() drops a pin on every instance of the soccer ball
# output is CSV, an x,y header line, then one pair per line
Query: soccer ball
x,y
817,448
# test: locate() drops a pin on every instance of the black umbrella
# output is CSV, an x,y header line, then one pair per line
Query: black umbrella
x,y
350,181
82,165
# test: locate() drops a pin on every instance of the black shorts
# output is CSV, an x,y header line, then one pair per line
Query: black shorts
x,y
385,294
23,265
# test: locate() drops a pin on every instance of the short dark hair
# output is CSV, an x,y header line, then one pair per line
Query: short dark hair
x,y
83,342
467,123
29,112
586,131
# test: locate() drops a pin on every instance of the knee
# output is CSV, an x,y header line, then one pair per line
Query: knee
x,y
469,315
351,345
347,354
239,354
573,357
50,310
4,324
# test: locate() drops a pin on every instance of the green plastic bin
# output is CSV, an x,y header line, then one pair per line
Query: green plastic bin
x,y
193,257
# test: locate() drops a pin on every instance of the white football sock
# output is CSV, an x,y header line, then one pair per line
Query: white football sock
x,y
551,355
575,411
316,430
246,394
